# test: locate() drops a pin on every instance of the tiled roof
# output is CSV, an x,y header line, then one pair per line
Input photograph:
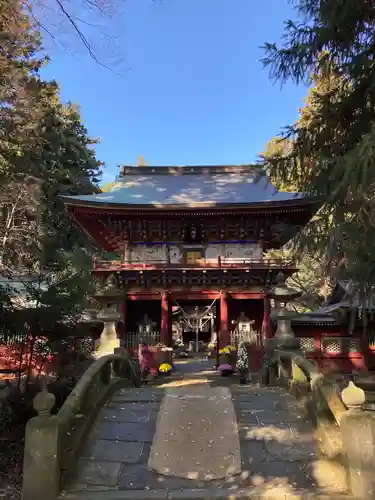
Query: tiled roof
x,y
189,186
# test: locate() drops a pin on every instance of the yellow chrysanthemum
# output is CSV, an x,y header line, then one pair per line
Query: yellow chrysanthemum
x,y
165,368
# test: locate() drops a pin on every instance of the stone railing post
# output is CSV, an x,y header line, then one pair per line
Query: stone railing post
x,y
41,471
357,427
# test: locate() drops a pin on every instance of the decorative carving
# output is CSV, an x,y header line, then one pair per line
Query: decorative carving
x,y
274,230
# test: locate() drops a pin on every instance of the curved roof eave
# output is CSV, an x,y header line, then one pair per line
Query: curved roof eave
x,y
99,204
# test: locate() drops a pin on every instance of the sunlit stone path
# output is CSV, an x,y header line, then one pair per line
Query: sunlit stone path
x,y
191,437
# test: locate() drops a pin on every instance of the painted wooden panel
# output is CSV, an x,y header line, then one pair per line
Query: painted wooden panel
x,y
234,251
147,253
175,255
242,251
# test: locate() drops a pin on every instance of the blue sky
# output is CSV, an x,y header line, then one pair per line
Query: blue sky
x,y
190,88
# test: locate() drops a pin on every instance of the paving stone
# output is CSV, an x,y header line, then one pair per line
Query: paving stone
x,y
121,431
117,495
246,418
138,477
256,404
114,451
98,473
138,395
124,415
268,417
134,406
296,451
269,433
212,494
253,451
280,472
200,494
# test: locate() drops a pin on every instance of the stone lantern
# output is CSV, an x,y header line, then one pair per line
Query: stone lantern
x,y
282,294
109,297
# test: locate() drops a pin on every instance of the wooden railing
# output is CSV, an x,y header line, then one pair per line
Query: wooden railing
x,y
344,416
219,263
53,442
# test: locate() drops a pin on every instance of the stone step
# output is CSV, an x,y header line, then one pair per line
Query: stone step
x,y
255,493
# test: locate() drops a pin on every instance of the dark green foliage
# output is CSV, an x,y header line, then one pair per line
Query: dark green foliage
x,y
332,155
45,152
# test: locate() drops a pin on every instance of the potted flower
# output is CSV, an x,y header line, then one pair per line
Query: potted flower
x,y
226,370
227,356
164,353
165,368
242,363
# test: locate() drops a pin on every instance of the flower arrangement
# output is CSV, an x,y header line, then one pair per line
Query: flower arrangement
x,y
242,363
228,349
165,368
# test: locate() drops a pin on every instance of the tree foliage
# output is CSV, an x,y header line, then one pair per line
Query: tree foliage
x,y
45,152
331,47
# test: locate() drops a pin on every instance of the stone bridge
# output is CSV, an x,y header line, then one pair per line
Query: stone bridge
x,y
196,435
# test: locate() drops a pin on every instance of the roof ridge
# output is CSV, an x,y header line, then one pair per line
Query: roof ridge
x,y
191,170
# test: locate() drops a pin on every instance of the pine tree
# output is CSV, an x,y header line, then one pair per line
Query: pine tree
x,y
331,47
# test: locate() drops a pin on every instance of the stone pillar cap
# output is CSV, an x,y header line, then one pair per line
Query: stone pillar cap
x,y
43,402
352,396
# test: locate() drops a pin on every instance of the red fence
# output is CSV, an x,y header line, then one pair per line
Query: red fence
x,y
335,353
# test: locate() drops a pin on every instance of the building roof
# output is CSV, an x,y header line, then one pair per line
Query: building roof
x,y
321,315
189,186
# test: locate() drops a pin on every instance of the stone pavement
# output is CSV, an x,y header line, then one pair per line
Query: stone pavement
x,y
276,457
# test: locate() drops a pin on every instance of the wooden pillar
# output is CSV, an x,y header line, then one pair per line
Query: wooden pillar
x,y
266,324
166,326
123,316
170,321
224,337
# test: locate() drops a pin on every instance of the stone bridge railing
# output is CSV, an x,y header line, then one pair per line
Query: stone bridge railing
x,y
344,418
53,442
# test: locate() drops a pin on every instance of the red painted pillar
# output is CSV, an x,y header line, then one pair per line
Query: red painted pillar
x,y
166,327
224,336
123,317
170,320
266,324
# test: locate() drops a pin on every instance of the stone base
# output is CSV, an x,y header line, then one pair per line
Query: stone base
x,y
105,346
